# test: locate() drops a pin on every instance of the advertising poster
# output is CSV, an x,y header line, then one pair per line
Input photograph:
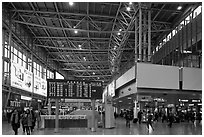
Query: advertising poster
x,y
20,77
40,86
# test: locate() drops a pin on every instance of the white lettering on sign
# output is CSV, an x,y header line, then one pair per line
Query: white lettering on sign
x,y
15,104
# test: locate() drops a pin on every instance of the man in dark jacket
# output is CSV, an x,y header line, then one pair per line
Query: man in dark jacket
x,y
139,115
15,121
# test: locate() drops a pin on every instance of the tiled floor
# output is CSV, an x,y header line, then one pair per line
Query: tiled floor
x,y
183,128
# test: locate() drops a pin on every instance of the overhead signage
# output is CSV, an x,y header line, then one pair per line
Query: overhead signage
x,y
14,103
20,77
59,88
111,89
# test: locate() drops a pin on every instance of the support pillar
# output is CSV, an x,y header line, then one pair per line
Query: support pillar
x,y
140,32
9,43
144,37
93,128
149,35
56,116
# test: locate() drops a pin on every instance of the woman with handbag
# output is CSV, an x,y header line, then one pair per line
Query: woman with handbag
x,y
15,121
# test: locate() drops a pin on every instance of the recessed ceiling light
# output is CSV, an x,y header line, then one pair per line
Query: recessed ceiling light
x,y
89,67
71,3
130,3
119,33
75,31
179,7
120,29
93,73
128,8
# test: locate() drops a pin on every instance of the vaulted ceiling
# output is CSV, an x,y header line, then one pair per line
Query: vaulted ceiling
x,y
85,38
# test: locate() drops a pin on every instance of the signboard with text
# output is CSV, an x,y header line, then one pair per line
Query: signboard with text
x,y
59,88
40,86
20,77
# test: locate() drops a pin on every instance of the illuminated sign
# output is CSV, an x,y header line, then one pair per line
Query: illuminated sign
x,y
196,100
111,89
58,88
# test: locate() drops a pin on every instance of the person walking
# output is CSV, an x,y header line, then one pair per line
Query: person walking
x,y
149,120
15,121
139,116
29,121
128,118
171,119
24,121
33,120
38,118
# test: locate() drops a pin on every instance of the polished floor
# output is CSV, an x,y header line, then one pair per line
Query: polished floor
x,y
183,128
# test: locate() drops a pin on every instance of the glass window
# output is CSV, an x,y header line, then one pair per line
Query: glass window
x,y
197,11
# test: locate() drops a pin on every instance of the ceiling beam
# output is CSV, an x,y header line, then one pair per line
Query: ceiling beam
x,y
85,70
81,76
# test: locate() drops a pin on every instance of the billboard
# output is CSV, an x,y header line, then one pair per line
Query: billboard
x,y
40,86
21,78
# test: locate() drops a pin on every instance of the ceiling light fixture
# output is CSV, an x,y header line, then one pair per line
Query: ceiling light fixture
x,y
179,7
71,3
75,31
119,33
94,73
130,3
128,8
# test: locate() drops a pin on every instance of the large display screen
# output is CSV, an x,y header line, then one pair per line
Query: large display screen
x,y
58,88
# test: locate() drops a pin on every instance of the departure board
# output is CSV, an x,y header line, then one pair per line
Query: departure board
x,y
58,88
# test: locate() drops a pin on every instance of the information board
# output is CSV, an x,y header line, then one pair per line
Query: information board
x,y
59,88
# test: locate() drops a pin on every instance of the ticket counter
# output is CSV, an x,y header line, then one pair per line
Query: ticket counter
x,y
65,121
68,121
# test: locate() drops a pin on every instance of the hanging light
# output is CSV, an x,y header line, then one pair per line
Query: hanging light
x,y
71,3
179,7
75,31
128,8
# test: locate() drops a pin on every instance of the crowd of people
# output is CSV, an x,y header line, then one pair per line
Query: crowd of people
x,y
26,119
150,117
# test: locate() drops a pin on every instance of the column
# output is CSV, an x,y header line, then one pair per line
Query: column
x,y
9,43
93,127
149,35
144,37
140,32
56,116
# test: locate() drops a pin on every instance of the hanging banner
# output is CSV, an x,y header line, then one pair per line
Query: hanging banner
x,y
20,77
40,86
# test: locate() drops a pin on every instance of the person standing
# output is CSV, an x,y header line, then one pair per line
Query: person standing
x,y
38,118
139,115
15,121
149,120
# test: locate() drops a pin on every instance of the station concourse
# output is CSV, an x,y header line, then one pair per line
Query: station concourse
x,y
88,68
